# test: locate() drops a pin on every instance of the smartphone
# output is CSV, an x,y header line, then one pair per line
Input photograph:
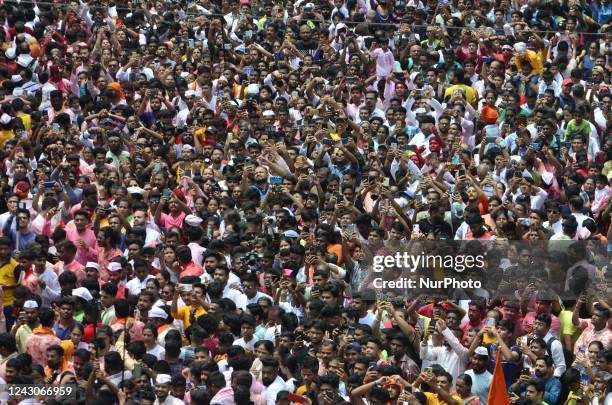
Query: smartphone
x,y
461,172
276,180
137,370
153,92
386,182
420,322
21,205
492,133
157,167
372,364
188,173
490,321
179,39
166,193
220,94
328,141
346,140
227,47
55,125
535,146
350,331
191,42
565,145
49,184
393,145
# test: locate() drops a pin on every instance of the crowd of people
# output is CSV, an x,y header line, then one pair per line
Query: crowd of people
x,y
195,195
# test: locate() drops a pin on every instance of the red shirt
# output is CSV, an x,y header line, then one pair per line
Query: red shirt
x,y
191,269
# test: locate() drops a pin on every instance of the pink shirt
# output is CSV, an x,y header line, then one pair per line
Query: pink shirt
x,y
90,252
169,221
555,325
589,334
77,268
37,344
191,269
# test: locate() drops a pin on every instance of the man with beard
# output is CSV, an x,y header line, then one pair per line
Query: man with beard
x,y
230,290
140,219
435,223
272,382
56,364
26,324
260,178
477,228
544,372
162,391
481,378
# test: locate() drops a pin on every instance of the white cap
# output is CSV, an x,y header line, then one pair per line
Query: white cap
x,y
114,266
420,111
158,313
163,379
135,190
481,351
186,147
309,5
190,93
268,113
520,47
10,53
82,292
30,304
5,119
193,220
93,265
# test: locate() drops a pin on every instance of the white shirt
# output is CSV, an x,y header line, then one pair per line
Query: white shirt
x,y
135,285
454,360
247,345
239,298
556,352
196,252
158,351
480,384
257,296
52,288
170,400
273,389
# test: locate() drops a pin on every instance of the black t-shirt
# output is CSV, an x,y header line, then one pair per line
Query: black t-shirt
x,y
440,231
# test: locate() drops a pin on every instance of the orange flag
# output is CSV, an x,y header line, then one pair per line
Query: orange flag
x,y
498,393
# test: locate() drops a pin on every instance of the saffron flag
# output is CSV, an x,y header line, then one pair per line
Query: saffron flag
x,y
498,393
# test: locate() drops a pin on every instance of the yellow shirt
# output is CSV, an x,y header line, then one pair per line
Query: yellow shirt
x,y
26,119
567,327
470,93
6,136
7,277
184,314
533,59
432,399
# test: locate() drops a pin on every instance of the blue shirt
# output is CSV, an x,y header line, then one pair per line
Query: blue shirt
x,y
61,332
552,390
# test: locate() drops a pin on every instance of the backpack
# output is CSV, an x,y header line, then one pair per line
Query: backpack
x,y
569,356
